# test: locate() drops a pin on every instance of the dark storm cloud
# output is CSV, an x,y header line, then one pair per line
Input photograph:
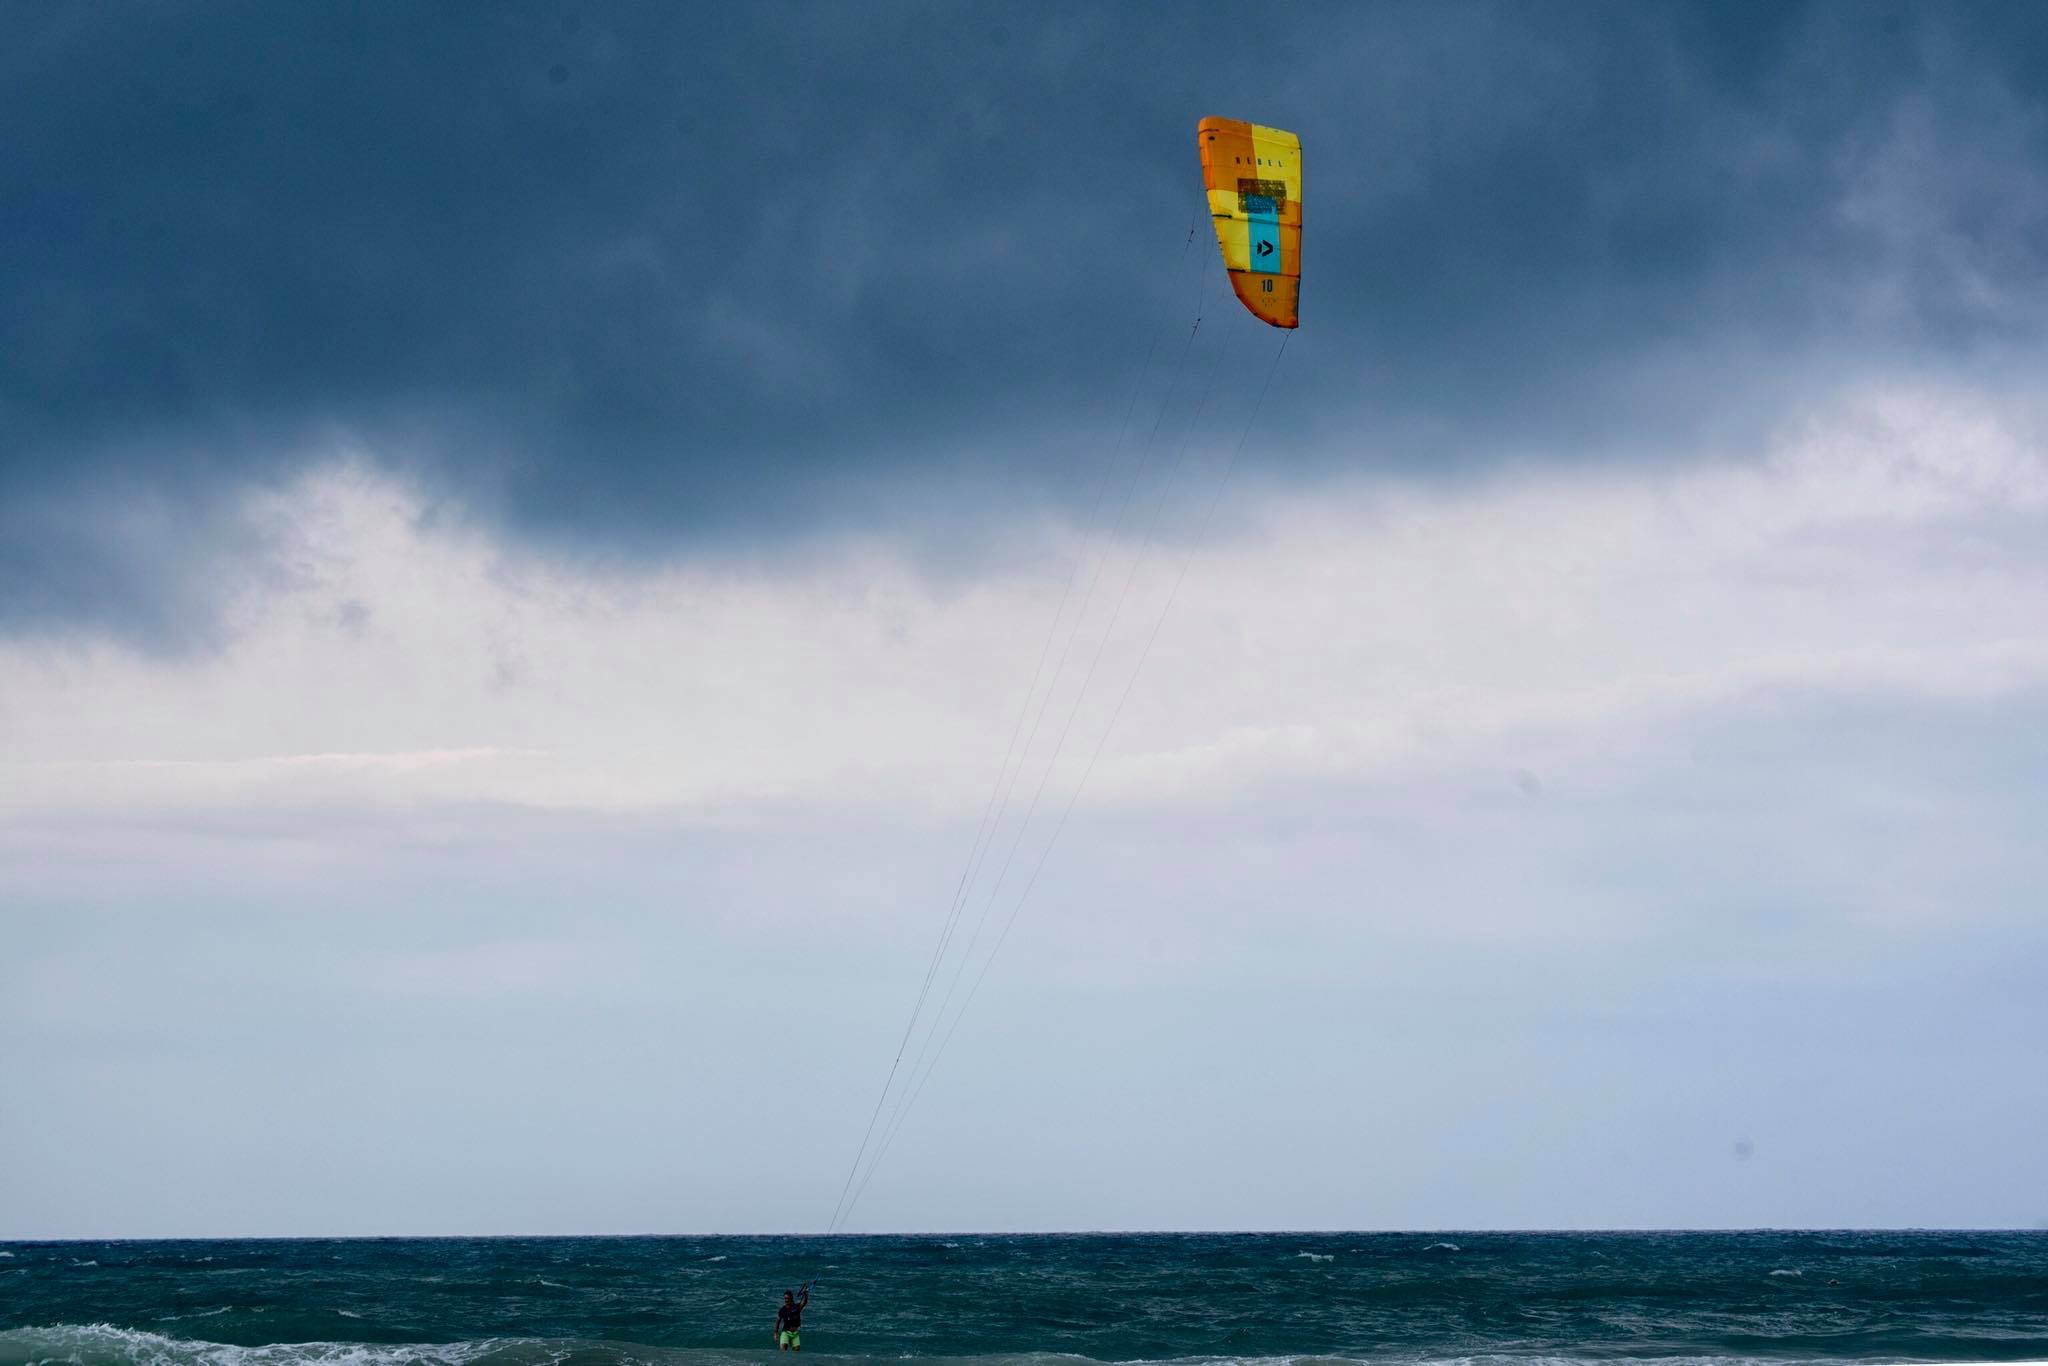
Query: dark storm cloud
x,y
643,277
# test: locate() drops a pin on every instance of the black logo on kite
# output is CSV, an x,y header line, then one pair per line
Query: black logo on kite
x,y
1265,248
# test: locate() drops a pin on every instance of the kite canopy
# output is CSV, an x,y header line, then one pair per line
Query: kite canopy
x,y
1253,175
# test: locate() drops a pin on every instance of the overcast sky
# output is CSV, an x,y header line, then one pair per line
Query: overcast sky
x,y
527,535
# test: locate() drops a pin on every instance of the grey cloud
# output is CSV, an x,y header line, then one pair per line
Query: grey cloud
x,y
1707,950
652,278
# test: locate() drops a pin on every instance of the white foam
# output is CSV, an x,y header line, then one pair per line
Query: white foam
x,y
95,1343
1781,1271
1318,1256
103,1344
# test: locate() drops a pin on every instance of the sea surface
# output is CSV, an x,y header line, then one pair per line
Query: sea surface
x,y
1036,1300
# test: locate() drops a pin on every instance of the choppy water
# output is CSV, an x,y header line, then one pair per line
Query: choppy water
x,y
1006,1301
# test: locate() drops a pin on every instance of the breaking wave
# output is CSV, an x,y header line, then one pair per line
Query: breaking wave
x,y
100,1344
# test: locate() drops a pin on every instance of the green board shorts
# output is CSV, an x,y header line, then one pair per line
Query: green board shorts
x,y
791,1338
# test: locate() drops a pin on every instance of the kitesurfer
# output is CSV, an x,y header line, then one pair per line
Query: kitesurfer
x,y
789,1320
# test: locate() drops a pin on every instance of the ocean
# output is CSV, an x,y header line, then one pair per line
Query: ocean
x,y
1015,1300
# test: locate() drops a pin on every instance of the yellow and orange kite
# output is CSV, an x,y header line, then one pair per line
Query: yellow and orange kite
x,y
1253,175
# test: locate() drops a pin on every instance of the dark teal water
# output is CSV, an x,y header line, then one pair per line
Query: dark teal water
x,y
1833,1297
